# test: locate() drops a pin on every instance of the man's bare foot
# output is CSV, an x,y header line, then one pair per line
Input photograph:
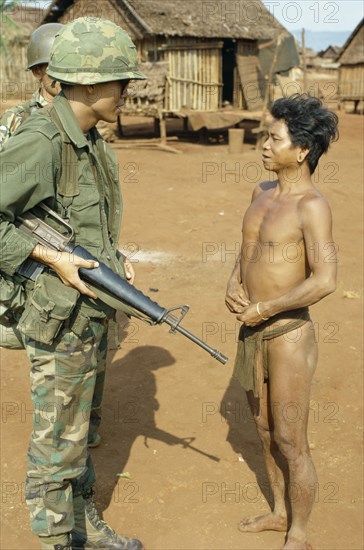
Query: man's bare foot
x,y
294,544
268,522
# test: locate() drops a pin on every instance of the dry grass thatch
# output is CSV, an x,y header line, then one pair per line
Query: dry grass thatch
x,y
353,50
194,18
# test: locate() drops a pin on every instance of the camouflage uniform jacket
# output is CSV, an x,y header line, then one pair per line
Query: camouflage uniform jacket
x,y
31,171
11,119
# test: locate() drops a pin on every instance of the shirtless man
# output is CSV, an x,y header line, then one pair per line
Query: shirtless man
x,y
287,262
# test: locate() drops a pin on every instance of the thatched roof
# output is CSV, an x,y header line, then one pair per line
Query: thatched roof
x,y
331,52
189,18
353,49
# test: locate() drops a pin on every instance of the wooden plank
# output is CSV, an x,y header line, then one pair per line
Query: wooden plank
x,y
192,46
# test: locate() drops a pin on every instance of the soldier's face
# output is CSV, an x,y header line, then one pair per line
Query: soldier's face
x,y
107,98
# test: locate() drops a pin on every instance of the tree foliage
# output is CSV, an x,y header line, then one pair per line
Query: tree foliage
x,y
8,25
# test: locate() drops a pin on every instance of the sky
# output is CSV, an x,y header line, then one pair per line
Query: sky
x,y
317,15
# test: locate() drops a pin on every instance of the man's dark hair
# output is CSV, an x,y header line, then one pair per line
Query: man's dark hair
x,y
310,125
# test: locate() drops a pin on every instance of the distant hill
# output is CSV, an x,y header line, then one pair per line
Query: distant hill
x,y
320,40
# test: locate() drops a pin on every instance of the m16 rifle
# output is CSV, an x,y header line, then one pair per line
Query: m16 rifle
x,y
108,285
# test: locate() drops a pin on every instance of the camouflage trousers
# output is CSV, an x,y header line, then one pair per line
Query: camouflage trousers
x,y
11,338
63,378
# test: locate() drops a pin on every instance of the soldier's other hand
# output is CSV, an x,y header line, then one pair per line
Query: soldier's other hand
x,y
129,271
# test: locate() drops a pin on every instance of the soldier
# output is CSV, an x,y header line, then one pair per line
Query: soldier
x,y
74,171
38,52
38,55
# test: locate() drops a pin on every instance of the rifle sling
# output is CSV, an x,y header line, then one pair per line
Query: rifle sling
x,y
68,183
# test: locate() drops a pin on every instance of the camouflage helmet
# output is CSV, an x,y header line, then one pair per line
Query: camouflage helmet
x,y
40,44
90,50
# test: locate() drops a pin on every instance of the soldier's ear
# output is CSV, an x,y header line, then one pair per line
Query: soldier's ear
x,y
36,70
91,93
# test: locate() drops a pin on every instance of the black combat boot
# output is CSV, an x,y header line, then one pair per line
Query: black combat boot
x,y
57,542
91,532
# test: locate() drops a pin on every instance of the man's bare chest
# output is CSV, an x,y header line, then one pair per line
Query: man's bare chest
x,y
276,222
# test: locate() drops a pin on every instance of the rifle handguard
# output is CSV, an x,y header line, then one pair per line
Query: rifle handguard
x,y
113,288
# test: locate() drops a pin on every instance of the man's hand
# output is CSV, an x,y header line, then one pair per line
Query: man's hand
x,y
129,271
66,266
252,315
236,300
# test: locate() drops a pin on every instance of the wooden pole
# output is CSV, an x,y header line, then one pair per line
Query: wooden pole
x,y
260,130
119,131
163,130
304,67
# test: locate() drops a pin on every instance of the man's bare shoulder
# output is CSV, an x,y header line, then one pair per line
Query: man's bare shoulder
x,y
313,206
262,187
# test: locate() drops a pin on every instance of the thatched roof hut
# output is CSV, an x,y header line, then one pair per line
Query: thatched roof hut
x,y
351,70
216,51
331,53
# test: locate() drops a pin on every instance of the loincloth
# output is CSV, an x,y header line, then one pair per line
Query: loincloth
x,y
251,363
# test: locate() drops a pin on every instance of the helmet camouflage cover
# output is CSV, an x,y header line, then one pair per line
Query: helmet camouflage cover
x,y
90,50
40,44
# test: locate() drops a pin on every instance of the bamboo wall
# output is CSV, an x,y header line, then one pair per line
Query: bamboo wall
x,y
195,75
351,82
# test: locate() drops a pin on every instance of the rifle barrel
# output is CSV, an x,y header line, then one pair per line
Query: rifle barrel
x,y
216,354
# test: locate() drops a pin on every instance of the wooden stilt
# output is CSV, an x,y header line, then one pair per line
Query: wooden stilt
x,y
163,130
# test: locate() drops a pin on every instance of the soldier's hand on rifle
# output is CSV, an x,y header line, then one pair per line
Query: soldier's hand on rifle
x,y
66,266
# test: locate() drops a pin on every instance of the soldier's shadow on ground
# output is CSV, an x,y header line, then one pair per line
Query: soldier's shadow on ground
x,y
128,412
244,440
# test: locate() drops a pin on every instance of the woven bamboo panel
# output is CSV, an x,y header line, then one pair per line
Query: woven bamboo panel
x,y
351,83
252,84
195,75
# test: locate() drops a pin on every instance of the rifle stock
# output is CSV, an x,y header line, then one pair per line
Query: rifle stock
x,y
110,284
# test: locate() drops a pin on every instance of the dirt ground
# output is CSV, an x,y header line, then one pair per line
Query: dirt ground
x,y
181,228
